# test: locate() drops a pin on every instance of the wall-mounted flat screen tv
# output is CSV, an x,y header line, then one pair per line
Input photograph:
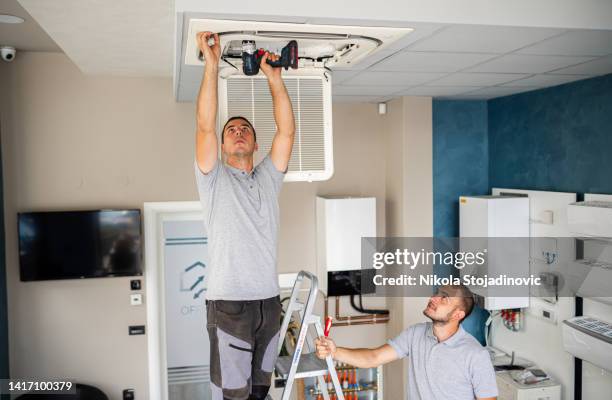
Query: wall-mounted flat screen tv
x,y
79,244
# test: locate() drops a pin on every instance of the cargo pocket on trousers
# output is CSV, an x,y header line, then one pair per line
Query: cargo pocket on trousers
x,y
235,357
269,358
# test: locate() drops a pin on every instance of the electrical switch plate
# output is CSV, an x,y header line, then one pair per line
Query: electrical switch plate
x,y
136,299
548,314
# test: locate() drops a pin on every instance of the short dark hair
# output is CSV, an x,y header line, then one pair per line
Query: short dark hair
x,y
466,299
233,118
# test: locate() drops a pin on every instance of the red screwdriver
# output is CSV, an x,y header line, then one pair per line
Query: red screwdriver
x,y
328,324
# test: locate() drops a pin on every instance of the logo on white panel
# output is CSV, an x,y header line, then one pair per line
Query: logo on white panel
x,y
192,279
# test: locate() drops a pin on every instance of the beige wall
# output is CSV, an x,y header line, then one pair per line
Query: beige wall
x,y
409,200
74,142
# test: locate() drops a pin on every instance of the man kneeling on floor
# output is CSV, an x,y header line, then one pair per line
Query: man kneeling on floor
x,y
445,362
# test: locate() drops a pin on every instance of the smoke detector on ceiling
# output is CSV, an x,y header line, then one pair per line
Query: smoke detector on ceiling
x,y
319,46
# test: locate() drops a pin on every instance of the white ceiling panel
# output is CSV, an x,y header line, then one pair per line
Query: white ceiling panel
x,y
430,61
421,31
484,39
476,79
545,80
369,60
397,79
27,36
597,67
128,38
497,91
574,43
356,99
357,90
437,91
449,47
525,63
339,76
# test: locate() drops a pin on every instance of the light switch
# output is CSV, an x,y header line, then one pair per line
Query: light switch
x,y
136,299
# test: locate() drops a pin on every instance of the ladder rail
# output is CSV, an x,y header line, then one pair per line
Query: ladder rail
x,y
297,286
330,366
304,323
287,319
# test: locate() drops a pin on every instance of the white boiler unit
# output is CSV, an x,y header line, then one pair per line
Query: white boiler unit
x,y
341,224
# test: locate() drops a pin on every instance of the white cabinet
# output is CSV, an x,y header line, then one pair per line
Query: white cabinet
x,y
511,390
505,221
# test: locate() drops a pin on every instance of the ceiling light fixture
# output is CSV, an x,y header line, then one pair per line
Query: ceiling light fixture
x,y
10,19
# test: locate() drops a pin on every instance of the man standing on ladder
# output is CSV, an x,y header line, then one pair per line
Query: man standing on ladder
x,y
241,216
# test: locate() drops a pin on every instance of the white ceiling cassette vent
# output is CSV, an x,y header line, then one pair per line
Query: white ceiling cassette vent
x,y
319,46
310,93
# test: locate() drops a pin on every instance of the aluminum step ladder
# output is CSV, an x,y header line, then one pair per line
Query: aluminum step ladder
x,y
300,364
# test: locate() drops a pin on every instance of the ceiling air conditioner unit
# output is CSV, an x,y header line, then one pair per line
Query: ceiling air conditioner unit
x,y
319,46
321,49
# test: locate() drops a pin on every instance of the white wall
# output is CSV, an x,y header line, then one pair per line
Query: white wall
x,y
541,341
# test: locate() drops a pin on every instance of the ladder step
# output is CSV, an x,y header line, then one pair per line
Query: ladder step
x,y
310,365
297,306
313,319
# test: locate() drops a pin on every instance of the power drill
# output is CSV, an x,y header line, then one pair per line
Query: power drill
x,y
251,57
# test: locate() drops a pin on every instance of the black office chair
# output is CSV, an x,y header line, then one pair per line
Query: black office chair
x,y
83,392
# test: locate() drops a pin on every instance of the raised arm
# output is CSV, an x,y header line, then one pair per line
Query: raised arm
x,y
360,358
206,112
283,115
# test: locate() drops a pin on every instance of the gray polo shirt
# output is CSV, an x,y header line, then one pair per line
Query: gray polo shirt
x,y
241,217
458,368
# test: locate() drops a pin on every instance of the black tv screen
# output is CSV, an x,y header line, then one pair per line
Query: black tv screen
x,y
79,244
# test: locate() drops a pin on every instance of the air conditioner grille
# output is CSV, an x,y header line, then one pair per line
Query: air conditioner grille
x,y
250,97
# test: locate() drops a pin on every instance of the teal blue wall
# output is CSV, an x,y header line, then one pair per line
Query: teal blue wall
x,y
557,139
461,159
460,167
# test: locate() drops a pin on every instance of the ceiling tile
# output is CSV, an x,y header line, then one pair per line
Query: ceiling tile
x,y
437,91
545,80
483,39
476,79
574,43
339,76
497,91
524,63
597,67
357,90
397,79
369,60
355,99
421,31
430,61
